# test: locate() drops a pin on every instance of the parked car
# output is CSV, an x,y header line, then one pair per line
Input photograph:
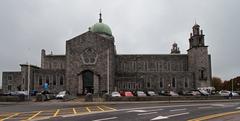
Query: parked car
x,y
115,94
172,93
16,93
227,93
151,93
141,94
204,92
126,94
168,93
163,93
62,94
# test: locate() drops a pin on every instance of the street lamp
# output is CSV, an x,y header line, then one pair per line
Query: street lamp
x,y
169,89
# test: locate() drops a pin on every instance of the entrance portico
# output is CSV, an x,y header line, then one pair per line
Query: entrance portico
x,y
88,82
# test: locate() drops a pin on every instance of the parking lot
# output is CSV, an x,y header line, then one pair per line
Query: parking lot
x,y
42,114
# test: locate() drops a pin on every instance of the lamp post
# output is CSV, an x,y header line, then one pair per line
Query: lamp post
x,y
169,89
28,82
108,69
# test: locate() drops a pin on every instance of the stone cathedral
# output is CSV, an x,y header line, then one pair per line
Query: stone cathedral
x,y
91,64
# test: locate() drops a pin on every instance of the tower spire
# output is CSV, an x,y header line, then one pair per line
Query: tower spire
x,y
100,17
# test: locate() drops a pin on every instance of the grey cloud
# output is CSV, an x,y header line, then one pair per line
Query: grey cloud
x,y
139,26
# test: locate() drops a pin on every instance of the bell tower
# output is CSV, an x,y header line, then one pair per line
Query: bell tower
x,y
199,61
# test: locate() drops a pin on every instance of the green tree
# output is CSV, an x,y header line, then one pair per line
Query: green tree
x,y
217,83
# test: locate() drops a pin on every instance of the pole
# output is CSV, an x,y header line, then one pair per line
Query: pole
x,y
108,70
28,81
232,85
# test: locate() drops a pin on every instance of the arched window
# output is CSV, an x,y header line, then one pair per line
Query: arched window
x,y
54,80
161,83
61,80
173,82
186,83
47,80
40,80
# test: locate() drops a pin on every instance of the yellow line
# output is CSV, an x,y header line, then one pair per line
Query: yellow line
x,y
55,114
9,117
74,111
109,107
213,116
88,109
34,115
100,108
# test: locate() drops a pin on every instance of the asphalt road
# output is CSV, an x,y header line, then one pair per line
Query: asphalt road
x,y
152,112
138,111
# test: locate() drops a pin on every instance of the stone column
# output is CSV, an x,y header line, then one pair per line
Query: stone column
x,y
95,83
80,84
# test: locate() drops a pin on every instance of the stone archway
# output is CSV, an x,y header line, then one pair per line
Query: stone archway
x,y
88,82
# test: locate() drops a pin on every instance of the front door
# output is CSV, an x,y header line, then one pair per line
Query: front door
x,y
88,82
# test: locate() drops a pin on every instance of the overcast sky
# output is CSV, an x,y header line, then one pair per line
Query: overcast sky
x,y
139,26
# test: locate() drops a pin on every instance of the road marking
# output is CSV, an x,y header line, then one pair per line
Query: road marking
x,y
9,116
159,118
100,108
178,109
55,114
220,105
138,111
88,109
74,111
178,114
165,117
34,115
146,113
204,107
109,107
104,119
154,110
214,116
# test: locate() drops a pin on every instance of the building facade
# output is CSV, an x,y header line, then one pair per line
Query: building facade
x,y
91,64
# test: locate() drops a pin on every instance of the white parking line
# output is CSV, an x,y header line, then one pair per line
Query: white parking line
x,y
204,107
178,114
154,110
178,109
105,119
146,113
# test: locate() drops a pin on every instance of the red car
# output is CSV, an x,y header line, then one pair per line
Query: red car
x,y
126,94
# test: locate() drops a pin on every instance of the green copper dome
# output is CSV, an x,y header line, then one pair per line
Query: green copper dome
x,y
101,27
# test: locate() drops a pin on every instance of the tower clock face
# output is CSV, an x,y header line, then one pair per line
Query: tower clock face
x,y
89,56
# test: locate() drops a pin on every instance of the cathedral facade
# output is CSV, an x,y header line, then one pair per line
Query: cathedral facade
x,y
91,64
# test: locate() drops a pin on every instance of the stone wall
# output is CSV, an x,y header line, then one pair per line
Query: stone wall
x,y
11,81
90,51
53,62
153,72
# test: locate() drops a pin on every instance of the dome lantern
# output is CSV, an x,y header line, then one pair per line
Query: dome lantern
x,y
101,28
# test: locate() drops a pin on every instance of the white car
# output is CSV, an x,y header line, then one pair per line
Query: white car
x,y
115,94
151,93
62,94
141,94
172,93
227,93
